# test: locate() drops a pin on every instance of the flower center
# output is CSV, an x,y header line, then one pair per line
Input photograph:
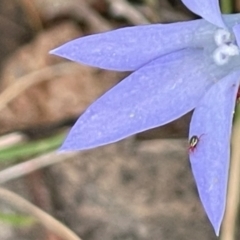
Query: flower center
x,y
226,47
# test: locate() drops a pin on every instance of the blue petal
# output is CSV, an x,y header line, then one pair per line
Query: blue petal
x,y
212,123
130,48
156,94
231,19
236,30
207,9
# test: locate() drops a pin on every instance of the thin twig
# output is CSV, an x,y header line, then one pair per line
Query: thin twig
x,y
124,9
95,20
45,219
79,10
229,227
12,139
32,14
34,164
26,81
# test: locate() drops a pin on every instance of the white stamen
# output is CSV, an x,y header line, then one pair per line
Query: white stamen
x,y
222,36
222,54
220,58
231,49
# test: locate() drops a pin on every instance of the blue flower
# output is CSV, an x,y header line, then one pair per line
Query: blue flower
x,y
176,68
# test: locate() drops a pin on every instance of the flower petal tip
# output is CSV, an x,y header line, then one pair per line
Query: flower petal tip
x,y
57,52
54,51
217,229
62,150
207,9
51,52
66,147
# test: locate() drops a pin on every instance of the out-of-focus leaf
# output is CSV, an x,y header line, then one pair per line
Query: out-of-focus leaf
x,y
16,220
26,150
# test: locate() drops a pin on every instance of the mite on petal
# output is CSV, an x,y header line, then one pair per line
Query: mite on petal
x,y
238,96
176,68
210,162
193,142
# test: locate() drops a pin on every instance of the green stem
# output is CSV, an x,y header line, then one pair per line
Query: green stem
x,y
29,149
229,225
226,6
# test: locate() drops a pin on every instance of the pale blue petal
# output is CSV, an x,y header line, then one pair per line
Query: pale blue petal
x,y
236,30
232,19
207,9
212,123
156,94
130,48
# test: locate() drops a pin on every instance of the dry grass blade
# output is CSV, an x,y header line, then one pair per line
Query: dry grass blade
x,y
79,10
125,9
94,19
34,164
12,139
32,14
229,225
45,219
30,79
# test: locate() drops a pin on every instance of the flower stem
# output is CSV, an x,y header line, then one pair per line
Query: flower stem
x,y
227,6
228,230
29,149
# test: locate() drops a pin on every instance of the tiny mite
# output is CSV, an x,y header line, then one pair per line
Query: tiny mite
x,y
193,142
238,95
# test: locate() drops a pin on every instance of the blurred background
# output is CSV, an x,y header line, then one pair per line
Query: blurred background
x,y
137,189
